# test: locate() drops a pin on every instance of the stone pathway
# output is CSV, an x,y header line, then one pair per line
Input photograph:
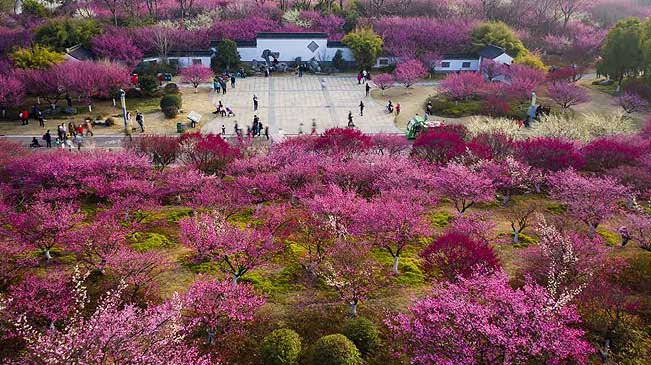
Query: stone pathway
x,y
287,101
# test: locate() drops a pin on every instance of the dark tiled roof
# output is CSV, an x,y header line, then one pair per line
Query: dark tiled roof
x,y
335,44
491,51
252,44
290,35
186,53
80,53
460,56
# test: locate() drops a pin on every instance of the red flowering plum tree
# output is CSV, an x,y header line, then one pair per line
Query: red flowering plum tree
x,y
492,323
549,153
458,254
207,153
602,154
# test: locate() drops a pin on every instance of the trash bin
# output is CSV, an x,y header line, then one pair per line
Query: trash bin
x,y
180,128
167,77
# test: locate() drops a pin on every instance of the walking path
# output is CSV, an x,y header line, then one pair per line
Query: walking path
x,y
287,101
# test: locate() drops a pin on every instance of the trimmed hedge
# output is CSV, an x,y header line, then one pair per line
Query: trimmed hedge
x,y
281,347
334,349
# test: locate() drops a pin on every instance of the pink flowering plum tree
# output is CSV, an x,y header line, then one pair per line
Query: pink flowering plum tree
x,y
384,81
43,300
117,48
463,186
88,79
115,332
196,74
237,250
462,86
589,199
491,69
44,226
510,176
351,272
631,102
492,323
640,229
391,224
139,272
523,80
567,95
410,71
219,307
11,90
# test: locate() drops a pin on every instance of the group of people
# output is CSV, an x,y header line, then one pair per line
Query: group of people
x,y
255,130
391,108
363,76
219,82
223,111
67,136
37,114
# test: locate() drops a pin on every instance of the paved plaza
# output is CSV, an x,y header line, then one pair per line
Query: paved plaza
x,y
287,101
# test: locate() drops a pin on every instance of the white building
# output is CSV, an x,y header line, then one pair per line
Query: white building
x,y
290,46
460,61
182,59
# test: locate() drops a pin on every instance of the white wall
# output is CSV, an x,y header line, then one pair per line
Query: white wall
x,y
504,59
183,61
290,49
456,65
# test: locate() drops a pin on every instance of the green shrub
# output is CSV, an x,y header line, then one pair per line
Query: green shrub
x,y
150,241
441,219
170,105
334,349
611,238
443,107
148,84
281,347
171,88
364,334
34,7
338,60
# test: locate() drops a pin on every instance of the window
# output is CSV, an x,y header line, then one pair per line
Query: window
x,y
196,61
383,61
465,65
445,64
312,46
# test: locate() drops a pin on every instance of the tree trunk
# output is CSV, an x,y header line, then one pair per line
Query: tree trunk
x,y
516,236
395,265
90,108
48,256
505,200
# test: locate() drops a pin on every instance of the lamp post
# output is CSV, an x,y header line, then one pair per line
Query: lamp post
x,y
123,102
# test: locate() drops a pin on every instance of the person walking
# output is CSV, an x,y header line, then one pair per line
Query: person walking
x,y
80,130
256,124
79,139
41,120
255,103
300,129
350,120
266,132
237,129
223,85
223,130
397,109
313,132
300,70
233,81
368,89
140,119
89,127
361,108
364,74
359,78
47,137
429,107
71,129
61,132
24,117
